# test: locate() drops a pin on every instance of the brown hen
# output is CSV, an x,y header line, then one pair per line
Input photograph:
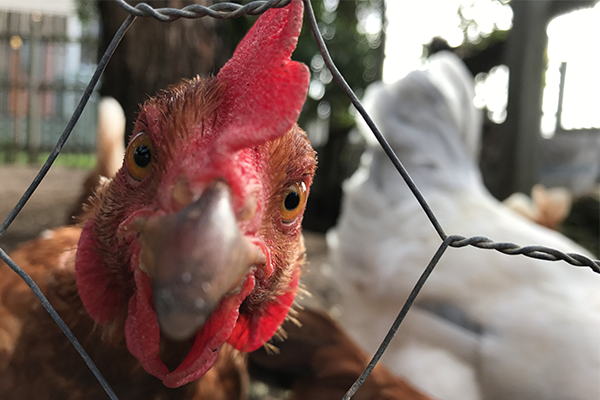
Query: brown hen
x,y
190,256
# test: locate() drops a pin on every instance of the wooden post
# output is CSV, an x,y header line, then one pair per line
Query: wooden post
x,y
525,58
561,96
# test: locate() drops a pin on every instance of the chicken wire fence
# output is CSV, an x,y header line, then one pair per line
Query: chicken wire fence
x,y
229,11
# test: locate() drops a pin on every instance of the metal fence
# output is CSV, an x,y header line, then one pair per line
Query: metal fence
x,y
230,10
46,62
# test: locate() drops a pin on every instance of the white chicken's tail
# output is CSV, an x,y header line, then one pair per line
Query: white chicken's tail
x,y
452,78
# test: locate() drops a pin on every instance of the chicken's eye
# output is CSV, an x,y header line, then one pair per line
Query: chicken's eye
x,y
293,201
139,156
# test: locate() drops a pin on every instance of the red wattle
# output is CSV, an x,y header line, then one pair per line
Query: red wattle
x,y
214,333
101,299
254,330
142,333
141,327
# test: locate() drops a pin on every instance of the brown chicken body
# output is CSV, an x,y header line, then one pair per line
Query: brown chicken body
x,y
318,361
38,362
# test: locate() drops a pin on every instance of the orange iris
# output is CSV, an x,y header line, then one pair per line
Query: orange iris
x,y
139,156
293,201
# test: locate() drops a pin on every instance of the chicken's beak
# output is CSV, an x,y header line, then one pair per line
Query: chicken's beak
x,y
195,257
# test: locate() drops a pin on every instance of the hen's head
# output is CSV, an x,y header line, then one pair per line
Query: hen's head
x,y
198,236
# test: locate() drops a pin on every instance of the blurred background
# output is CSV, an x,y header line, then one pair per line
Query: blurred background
x,y
535,65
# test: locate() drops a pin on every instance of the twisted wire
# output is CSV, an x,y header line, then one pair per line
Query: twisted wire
x,y
248,9
193,11
539,252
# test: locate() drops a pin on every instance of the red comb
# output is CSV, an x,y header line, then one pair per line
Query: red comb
x,y
265,89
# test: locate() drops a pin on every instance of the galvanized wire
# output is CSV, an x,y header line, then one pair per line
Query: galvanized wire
x,y
193,11
227,10
539,252
232,10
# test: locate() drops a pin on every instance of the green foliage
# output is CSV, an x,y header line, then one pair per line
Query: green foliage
x,y
86,11
70,160
474,38
357,54
353,36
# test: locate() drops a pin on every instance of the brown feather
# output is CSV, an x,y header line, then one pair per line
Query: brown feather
x,y
38,362
320,362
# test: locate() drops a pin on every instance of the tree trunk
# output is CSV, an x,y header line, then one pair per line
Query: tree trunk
x,y
156,54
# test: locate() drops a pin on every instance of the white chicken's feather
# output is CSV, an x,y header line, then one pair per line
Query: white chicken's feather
x,y
526,329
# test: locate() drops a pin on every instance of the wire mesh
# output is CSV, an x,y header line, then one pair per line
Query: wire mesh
x,y
229,11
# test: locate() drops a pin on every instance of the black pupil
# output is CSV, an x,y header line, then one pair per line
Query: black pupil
x,y
142,156
292,200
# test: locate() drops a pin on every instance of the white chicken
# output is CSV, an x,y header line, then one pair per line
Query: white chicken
x,y
486,325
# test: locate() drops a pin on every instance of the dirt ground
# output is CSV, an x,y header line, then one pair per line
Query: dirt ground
x,y
51,202
47,208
